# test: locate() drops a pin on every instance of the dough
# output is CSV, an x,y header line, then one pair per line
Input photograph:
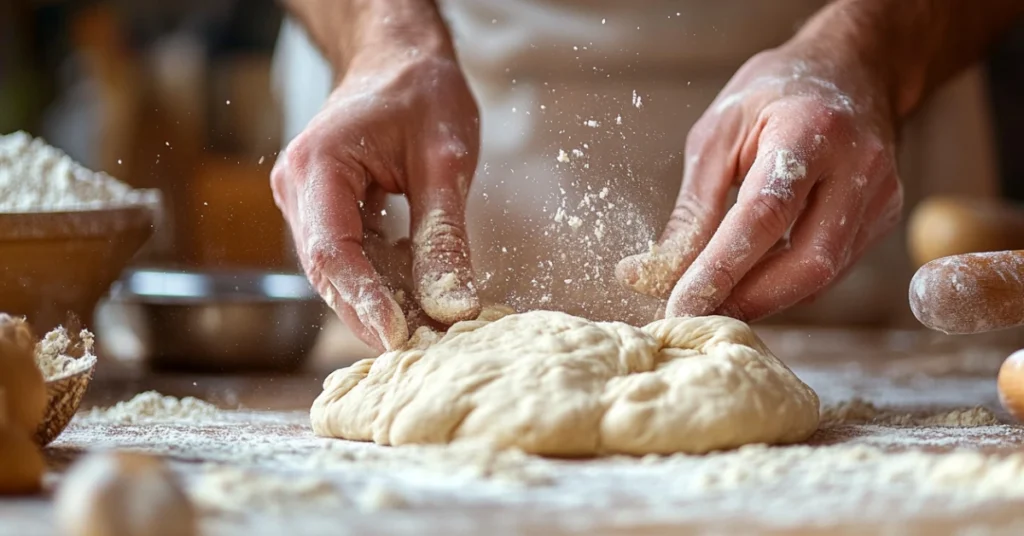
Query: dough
x,y
554,384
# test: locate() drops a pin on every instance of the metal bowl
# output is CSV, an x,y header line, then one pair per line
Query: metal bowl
x,y
228,322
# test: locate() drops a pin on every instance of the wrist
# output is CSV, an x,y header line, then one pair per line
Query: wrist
x,y
879,45
384,32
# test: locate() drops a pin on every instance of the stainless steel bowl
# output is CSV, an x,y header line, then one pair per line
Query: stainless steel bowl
x,y
218,321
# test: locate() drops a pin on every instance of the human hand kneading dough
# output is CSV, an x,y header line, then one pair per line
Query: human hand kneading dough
x,y
812,152
401,120
807,133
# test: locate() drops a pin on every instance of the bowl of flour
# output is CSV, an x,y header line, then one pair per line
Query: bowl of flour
x,y
66,232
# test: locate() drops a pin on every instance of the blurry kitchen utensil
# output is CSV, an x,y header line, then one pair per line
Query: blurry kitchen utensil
x,y
54,263
227,321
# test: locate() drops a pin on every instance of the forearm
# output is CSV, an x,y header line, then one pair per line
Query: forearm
x,y
910,46
371,31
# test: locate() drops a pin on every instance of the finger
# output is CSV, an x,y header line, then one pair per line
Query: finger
x,y
821,248
331,241
442,271
707,179
770,199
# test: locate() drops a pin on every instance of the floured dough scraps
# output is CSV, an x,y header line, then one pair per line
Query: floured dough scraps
x,y
554,384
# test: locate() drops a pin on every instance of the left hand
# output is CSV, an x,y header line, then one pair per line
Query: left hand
x,y
809,142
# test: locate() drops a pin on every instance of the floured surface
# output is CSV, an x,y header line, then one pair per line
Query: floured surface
x,y
265,473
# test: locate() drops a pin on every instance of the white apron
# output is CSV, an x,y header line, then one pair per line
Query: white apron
x,y
585,109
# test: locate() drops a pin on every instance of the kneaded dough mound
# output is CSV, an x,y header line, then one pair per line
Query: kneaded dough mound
x,y
554,384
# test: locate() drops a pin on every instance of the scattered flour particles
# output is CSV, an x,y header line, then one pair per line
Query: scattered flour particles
x,y
36,177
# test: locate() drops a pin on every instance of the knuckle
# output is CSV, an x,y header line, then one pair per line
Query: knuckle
x,y
771,214
878,158
440,236
740,309
825,262
298,155
719,276
688,214
319,255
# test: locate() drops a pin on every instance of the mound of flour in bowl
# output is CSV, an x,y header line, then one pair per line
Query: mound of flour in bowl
x,y
36,177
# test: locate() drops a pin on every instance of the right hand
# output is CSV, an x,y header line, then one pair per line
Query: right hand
x,y
405,123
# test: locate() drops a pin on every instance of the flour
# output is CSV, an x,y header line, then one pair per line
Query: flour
x,y
786,170
35,177
151,406
226,489
860,411
378,496
52,354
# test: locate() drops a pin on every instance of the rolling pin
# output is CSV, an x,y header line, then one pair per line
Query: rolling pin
x,y
971,293
942,226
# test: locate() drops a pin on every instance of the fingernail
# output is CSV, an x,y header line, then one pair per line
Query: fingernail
x,y
448,296
384,318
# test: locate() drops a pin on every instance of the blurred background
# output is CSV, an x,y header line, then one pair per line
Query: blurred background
x,y
179,96
169,95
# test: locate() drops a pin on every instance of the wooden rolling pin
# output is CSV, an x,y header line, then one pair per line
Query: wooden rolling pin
x,y
942,226
970,293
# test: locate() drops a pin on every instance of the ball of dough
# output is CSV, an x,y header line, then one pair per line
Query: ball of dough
x,y
21,464
123,494
20,378
940,227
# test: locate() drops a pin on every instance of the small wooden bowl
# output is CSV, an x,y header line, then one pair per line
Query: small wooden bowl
x,y
64,396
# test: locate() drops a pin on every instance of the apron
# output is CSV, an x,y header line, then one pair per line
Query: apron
x,y
585,107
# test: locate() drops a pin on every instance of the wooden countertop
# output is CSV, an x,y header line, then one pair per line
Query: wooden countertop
x,y
906,371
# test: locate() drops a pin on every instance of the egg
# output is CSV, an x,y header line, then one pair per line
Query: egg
x,y
20,378
1011,385
21,464
123,494
940,227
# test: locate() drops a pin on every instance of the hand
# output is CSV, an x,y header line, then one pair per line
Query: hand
x,y
404,125
810,143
